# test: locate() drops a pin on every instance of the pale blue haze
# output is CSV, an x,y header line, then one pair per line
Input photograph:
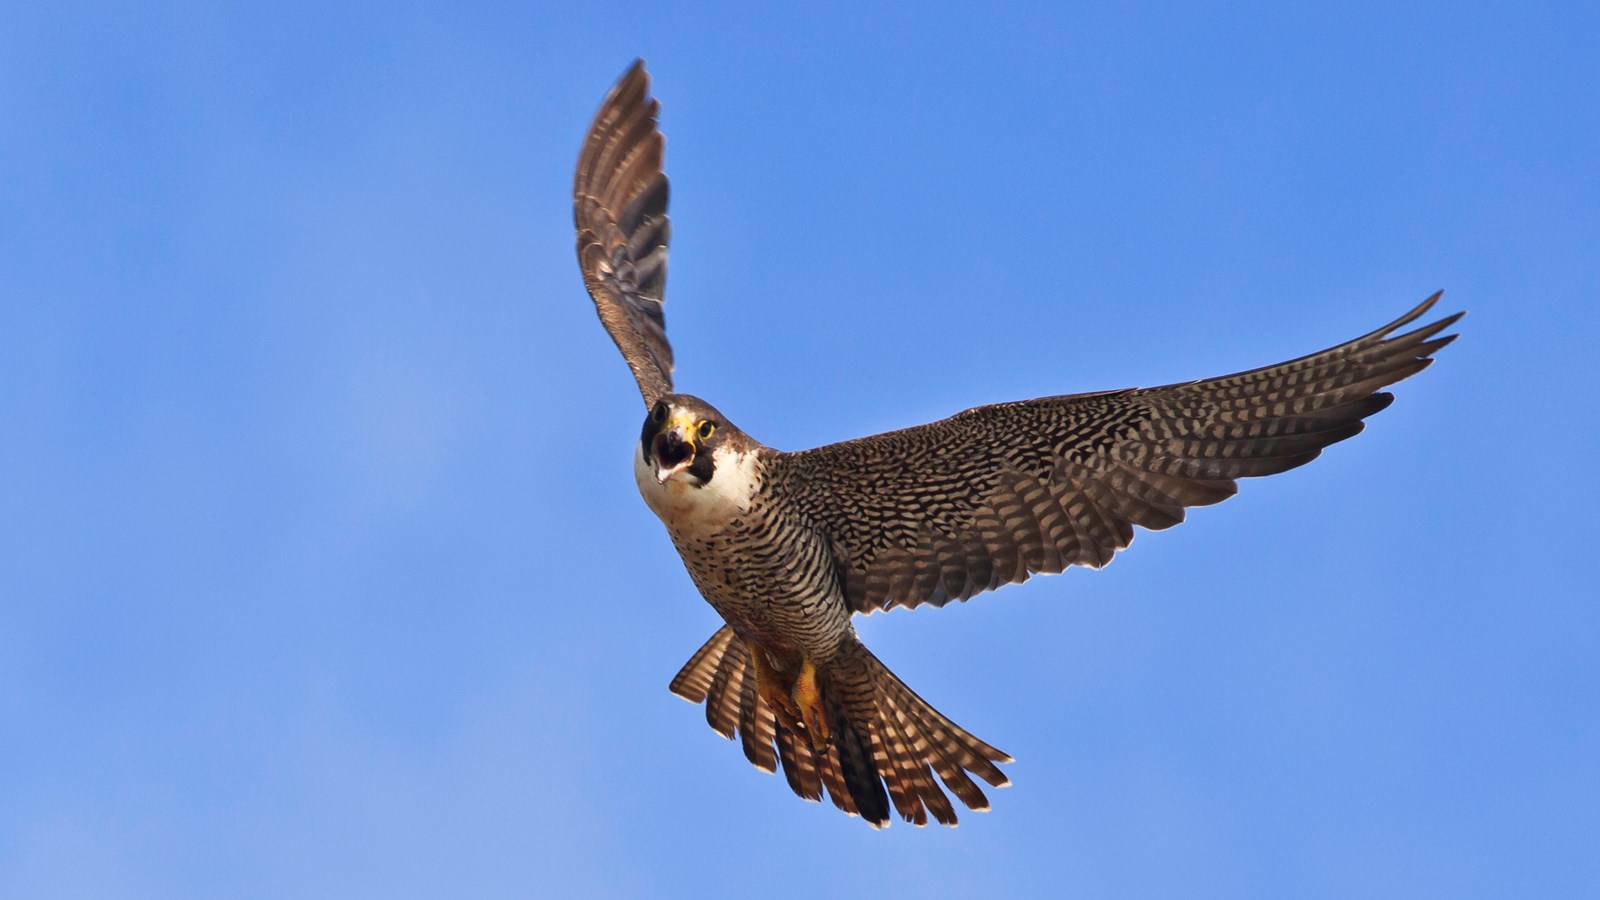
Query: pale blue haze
x,y
322,571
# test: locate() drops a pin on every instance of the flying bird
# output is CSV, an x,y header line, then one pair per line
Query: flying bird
x,y
787,547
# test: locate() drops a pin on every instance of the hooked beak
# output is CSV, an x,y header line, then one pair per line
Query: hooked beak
x,y
673,450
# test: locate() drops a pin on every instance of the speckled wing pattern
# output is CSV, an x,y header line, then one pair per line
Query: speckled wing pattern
x,y
989,496
619,203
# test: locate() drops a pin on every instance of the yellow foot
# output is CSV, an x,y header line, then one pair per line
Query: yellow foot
x,y
813,715
774,689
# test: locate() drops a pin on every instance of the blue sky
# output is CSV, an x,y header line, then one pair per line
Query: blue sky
x,y
322,572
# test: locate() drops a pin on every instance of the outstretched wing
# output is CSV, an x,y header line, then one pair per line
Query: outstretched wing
x,y
619,202
944,511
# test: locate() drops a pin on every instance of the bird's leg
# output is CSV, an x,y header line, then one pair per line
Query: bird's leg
x,y
808,697
774,689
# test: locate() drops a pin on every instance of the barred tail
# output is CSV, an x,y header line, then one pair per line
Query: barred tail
x,y
719,675
884,736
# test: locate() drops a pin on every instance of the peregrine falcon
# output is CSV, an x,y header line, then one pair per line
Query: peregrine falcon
x,y
787,547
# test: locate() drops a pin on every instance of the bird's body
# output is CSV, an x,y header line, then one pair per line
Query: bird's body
x,y
767,571
787,547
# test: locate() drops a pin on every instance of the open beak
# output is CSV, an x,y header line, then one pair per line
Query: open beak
x,y
673,449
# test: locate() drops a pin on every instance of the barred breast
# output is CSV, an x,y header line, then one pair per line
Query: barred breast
x,y
772,579
762,566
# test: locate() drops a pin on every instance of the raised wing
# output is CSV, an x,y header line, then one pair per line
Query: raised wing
x,y
619,202
944,511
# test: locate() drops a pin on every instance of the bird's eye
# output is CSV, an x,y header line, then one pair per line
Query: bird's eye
x,y
658,413
707,430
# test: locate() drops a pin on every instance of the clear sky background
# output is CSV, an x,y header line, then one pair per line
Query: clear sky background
x,y
323,573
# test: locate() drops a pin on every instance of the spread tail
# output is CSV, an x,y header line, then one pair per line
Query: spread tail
x,y
884,736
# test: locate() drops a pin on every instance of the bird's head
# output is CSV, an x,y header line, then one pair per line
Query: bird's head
x,y
681,437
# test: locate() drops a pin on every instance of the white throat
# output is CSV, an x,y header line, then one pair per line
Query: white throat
x,y
684,505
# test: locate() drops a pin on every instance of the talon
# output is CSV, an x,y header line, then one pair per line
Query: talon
x,y
808,697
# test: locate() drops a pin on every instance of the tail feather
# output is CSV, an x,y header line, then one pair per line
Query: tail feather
x,y
888,742
917,742
953,742
906,769
694,679
719,675
920,749
835,782
851,778
722,701
852,714
949,765
799,765
756,725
